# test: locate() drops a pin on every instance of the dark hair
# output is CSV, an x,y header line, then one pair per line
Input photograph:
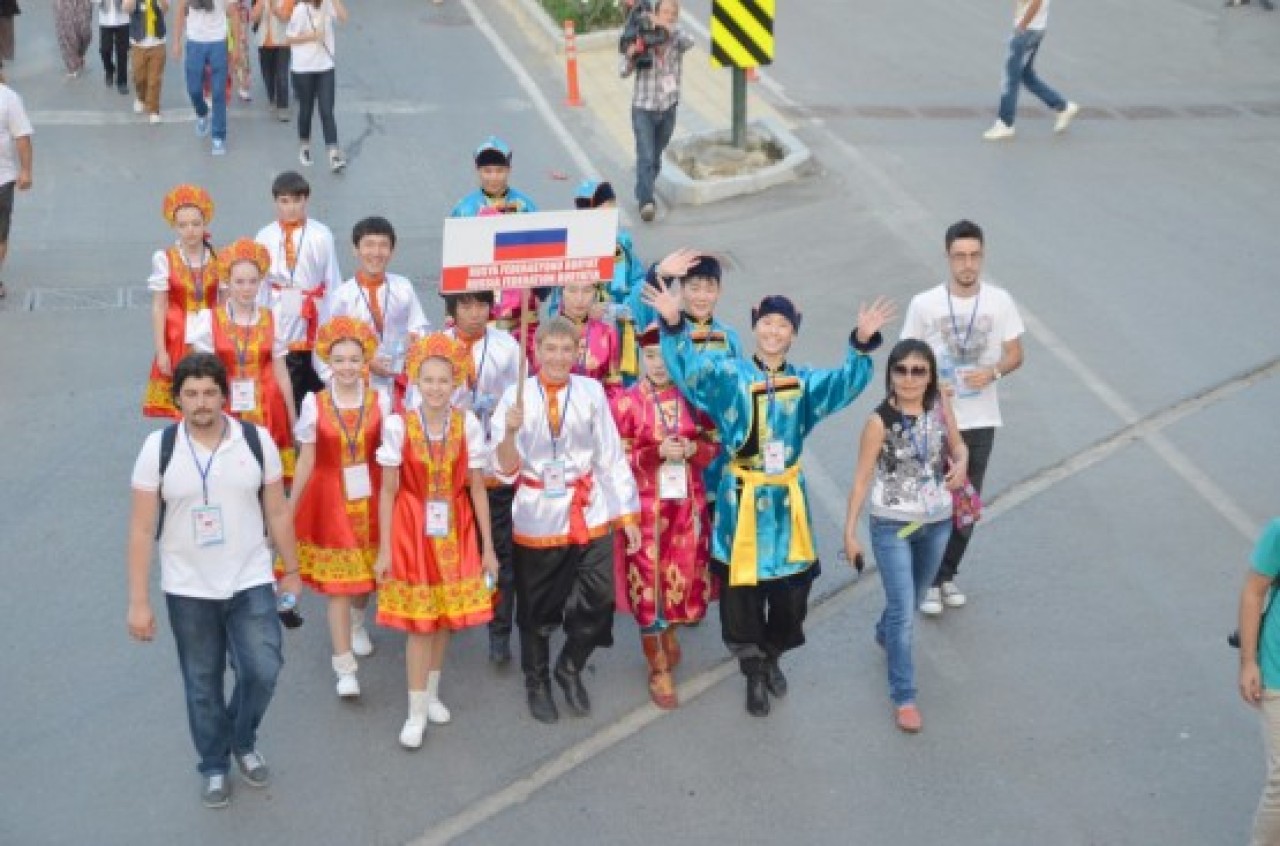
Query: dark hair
x,y
914,346
452,301
290,184
963,229
373,226
199,366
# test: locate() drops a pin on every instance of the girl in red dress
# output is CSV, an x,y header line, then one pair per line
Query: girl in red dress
x,y
243,334
184,281
435,571
335,487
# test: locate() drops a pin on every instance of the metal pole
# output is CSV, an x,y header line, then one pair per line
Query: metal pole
x,y
739,108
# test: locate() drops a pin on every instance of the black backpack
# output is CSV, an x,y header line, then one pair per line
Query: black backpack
x,y
169,437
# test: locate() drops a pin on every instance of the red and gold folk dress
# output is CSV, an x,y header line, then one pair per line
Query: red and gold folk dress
x,y
190,290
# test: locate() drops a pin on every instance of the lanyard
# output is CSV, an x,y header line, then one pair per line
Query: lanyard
x,y
435,466
197,280
484,349
204,471
297,253
386,308
352,441
241,340
920,447
555,433
581,369
772,402
668,428
963,345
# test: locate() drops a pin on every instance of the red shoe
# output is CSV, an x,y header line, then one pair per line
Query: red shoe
x,y
909,718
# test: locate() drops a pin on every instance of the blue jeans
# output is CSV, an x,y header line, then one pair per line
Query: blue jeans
x,y
214,55
653,133
1019,70
245,628
907,567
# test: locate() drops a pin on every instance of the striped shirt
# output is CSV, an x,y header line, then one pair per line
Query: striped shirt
x,y
651,94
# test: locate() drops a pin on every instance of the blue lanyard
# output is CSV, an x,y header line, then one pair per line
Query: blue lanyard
x,y
667,428
555,433
768,384
197,281
352,441
484,349
963,346
239,341
204,471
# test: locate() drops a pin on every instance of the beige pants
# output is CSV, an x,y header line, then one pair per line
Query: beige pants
x,y
1266,822
148,73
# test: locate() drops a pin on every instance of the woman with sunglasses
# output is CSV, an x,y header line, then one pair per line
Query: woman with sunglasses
x,y
911,456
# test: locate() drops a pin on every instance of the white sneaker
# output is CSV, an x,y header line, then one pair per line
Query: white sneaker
x,y
361,645
139,107
304,156
348,686
999,131
1066,116
932,605
952,597
155,118
437,714
415,728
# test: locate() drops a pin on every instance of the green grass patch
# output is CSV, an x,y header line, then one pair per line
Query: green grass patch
x,y
587,15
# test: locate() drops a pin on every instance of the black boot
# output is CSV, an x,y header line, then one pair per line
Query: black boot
x,y
773,677
499,648
535,660
757,687
569,677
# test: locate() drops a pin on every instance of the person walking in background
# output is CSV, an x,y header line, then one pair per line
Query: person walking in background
x,y
271,19
241,66
1029,22
113,43
8,11
910,457
311,38
73,23
205,24
16,161
1259,682
146,35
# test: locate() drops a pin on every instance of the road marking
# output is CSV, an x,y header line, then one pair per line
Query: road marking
x,y
99,117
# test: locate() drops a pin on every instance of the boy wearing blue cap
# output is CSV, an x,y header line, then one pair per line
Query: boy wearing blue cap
x,y
493,167
764,407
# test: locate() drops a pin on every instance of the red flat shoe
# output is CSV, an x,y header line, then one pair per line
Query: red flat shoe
x,y
909,718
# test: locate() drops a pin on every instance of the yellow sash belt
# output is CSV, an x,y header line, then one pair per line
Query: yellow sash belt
x,y
743,561
628,365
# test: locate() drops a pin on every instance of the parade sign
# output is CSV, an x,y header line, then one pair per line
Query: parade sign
x,y
534,250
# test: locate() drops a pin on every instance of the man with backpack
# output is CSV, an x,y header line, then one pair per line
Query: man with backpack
x,y
208,488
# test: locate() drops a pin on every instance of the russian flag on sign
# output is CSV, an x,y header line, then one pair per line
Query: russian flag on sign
x,y
530,244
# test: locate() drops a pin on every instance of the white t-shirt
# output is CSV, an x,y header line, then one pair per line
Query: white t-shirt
x,y
13,124
972,332
1040,21
390,453
243,559
313,56
112,13
304,431
207,27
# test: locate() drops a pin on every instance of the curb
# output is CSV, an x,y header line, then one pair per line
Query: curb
x,y
678,188
601,39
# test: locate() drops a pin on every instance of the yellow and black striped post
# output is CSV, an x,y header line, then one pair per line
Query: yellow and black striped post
x,y
741,38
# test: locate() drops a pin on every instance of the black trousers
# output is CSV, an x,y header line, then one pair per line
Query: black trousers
x,y
500,519
569,586
113,46
313,88
767,619
274,62
979,442
303,376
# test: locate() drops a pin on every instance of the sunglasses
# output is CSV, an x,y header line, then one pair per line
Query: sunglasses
x,y
918,371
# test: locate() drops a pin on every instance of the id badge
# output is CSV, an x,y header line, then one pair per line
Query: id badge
x,y
775,457
667,83
437,522
243,395
934,497
393,356
553,478
673,481
962,387
206,524
355,479
290,302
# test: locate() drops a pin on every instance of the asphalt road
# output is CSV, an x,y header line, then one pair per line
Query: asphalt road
x,y
1085,696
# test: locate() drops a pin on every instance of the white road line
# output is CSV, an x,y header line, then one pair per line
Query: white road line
x,y
100,117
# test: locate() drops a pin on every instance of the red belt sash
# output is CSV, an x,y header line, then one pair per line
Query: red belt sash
x,y
309,312
579,534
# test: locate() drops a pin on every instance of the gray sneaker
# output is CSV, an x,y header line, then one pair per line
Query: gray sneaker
x,y
253,768
217,791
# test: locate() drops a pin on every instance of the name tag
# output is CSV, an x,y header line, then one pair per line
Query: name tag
x,y
392,356
775,457
553,478
934,497
673,481
243,395
206,525
355,479
290,302
437,522
962,387
667,83
483,405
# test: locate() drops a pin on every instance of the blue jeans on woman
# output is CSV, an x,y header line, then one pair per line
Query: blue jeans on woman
x,y
1019,70
653,132
245,628
907,567
213,54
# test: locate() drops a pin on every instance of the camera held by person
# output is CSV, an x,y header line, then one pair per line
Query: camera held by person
x,y
640,34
